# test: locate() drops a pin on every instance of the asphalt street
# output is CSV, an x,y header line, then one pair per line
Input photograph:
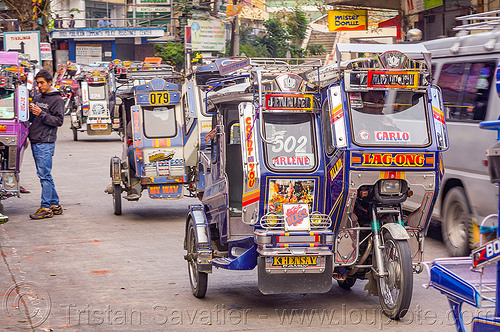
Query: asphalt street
x,y
89,270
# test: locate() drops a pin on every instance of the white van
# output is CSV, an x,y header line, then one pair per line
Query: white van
x,y
464,68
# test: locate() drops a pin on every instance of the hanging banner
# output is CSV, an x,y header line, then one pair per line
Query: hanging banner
x,y
45,51
347,20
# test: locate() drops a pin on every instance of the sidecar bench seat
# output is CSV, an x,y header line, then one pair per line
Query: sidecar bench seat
x,y
234,172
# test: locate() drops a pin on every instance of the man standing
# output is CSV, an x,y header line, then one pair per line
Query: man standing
x,y
71,23
47,113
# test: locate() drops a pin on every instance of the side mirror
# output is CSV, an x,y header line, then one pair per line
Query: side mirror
x,y
439,118
337,118
22,103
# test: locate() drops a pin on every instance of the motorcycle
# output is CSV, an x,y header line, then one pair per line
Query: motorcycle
x,y
305,181
14,114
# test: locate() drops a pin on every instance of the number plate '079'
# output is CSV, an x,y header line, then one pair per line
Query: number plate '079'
x,y
159,98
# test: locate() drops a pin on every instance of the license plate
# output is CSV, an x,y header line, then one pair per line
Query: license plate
x,y
99,126
295,261
159,98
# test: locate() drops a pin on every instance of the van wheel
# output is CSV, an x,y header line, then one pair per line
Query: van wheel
x,y
456,222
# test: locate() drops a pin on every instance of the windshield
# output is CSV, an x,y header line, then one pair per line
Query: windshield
x,y
97,92
6,104
394,117
159,121
294,144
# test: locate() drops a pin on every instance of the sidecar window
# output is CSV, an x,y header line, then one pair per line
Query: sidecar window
x,y
7,105
294,142
159,122
97,92
389,118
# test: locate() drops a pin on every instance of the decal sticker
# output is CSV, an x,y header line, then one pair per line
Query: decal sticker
x,y
392,79
398,160
296,216
250,152
286,191
335,170
337,113
364,135
160,156
251,197
392,136
295,261
291,161
488,253
3,128
289,102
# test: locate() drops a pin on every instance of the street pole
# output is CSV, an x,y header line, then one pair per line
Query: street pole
x,y
133,13
172,31
235,41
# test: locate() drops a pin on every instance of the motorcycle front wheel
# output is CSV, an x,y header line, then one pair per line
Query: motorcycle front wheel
x,y
396,287
68,106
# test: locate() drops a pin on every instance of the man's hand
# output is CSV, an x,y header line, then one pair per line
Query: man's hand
x,y
35,109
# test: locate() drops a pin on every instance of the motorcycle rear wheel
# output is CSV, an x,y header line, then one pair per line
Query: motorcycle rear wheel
x,y
395,289
117,199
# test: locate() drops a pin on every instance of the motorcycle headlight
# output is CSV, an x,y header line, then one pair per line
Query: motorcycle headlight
x,y
390,187
316,219
272,220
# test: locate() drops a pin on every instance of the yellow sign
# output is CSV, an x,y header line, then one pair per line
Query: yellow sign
x,y
347,20
159,98
232,10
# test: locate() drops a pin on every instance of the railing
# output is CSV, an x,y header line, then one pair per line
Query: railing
x,y
114,22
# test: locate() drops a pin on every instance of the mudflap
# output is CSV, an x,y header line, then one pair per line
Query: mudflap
x,y
93,132
290,283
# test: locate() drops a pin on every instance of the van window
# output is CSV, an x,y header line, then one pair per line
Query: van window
x,y
466,87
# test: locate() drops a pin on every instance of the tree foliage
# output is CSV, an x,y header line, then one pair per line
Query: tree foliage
x,y
32,15
171,53
283,37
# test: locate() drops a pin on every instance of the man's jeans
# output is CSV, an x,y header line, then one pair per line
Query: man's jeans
x,y
43,153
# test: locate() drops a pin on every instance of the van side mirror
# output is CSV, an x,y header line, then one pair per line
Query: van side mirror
x,y
22,102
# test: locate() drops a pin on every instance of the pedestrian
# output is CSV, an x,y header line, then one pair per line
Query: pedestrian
x,y
71,23
58,22
47,113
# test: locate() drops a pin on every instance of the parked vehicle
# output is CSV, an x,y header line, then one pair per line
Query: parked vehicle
x,y
307,184
14,102
65,81
464,68
94,116
160,150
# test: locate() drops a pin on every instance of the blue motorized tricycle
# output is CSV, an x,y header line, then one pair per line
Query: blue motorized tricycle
x,y
308,170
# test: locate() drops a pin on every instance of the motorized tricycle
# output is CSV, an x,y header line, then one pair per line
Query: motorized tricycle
x,y
474,279
305,181
94,116
14,101
65,81
160,151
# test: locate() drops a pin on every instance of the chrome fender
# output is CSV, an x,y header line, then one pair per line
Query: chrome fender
x,y
115,170
202,233
397,231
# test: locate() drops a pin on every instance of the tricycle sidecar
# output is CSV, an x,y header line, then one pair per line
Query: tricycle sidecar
x,y
14,101
304,188
160,150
